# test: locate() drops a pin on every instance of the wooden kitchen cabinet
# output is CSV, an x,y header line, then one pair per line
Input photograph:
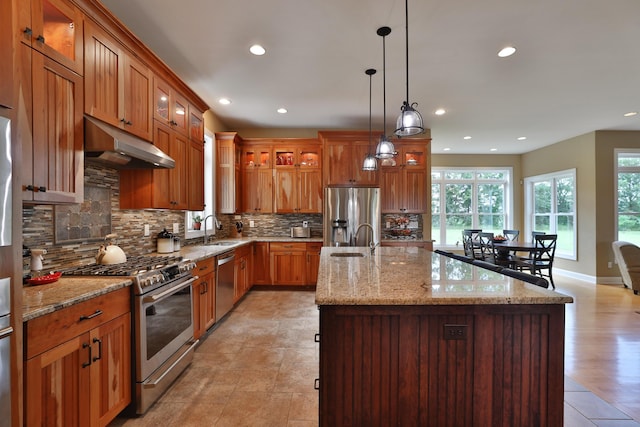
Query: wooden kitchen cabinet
x,y
298,177
313,262
196,124
195,175
261,264
204,297
51,128
257,177
54,28
6,55
242,269
78,363
288,263
403,180
118,87
170,107
159,188
344,153
228,172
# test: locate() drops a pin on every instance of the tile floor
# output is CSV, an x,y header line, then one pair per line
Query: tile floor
x,y
257,368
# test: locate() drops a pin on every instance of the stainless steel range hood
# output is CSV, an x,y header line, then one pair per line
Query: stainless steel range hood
x,y
110,146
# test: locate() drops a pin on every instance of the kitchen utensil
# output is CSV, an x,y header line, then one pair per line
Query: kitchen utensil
x,y
109,253
165,242
176,243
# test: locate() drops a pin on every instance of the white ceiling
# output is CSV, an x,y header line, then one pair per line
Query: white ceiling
x,y
576,70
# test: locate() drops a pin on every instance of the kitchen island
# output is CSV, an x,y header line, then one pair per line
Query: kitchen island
x,y
410,338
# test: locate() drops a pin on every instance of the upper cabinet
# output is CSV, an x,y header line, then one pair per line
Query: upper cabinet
x,y
404,178
228,172
118,87
53,27
257,176
298,176
344,153
196,124
170,107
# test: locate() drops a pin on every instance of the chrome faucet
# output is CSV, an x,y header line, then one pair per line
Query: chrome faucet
x,y
216,224
372,243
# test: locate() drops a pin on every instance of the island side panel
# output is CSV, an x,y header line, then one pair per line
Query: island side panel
x,y
394,365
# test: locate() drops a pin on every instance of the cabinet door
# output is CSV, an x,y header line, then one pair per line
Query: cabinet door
x,y
310,191
258,194
199,307
289,268
180,111
225,180
196,124
261,264
360,177
161,183
195,181
415,184
103,76
57,385
137,99
58,132
338,164
391,188
286,190
110,369
53,27
178,176
313,262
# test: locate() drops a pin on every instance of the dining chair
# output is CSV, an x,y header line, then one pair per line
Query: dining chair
x,y
542,257
511,234
471,243
486,246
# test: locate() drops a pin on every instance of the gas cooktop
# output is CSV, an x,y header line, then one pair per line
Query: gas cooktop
x,y
134,266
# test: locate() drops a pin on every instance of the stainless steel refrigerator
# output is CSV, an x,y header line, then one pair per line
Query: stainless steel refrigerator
x,y
346,212
6,267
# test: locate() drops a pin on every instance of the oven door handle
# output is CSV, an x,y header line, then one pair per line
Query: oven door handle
x,y
172,290
6,332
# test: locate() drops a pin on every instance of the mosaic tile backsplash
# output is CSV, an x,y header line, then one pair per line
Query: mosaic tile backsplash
x,y
40,223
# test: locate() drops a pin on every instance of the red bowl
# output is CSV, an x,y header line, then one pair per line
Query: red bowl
x,y
43,280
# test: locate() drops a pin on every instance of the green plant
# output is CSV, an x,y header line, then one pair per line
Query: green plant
x,y
197,219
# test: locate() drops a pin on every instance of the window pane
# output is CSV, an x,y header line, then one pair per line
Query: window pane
x,y
490,198
628,195
564,227
495,175
435,199
458,198
435,176
542,197
629,159
629,228
458,175
435,227
564,195
454,226
492,223
542,223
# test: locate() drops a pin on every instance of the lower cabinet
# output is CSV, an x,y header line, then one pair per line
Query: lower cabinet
x,y
261,264
204,297
78,363
288,263
313,262
242,272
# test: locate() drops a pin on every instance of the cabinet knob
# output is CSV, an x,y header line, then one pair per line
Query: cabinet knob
x,y
28,31
40,39
29,187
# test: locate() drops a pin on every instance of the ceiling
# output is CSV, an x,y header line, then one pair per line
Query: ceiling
x,y
576,69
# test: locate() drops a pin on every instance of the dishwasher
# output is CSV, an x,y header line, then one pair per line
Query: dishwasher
x,y
225,291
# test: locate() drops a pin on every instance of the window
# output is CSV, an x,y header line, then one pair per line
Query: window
x,y
209,185
550,207
627,185
469,198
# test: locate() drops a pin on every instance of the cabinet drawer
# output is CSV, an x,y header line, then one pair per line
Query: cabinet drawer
x,y
314,247
205,267
287,246
243,250
45,332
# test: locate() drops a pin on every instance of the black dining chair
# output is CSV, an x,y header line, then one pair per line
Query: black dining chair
x,y
471,243
511,234
541,260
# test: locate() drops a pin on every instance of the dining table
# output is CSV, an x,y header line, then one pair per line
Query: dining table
x,y
504,247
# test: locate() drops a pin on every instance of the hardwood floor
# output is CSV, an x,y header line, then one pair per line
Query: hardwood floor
x,y
258,367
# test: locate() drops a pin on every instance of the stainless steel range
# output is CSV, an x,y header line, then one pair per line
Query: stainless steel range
x,y
162,321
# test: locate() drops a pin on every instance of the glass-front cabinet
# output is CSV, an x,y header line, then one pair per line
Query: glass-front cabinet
x,y
256,156
302,156
53,27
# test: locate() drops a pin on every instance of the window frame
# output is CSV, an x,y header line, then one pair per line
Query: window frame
x,y
617,153
475,183
529,215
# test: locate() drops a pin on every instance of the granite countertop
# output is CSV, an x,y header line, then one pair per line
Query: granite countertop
x,y
415,276
200,252
67,291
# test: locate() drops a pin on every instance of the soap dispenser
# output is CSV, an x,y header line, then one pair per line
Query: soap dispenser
x,y
36,261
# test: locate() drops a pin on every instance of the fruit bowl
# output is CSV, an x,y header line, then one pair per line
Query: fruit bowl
x,y
43,280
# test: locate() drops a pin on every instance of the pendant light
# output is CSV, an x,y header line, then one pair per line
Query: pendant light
x,y
409,121
385,148
370,162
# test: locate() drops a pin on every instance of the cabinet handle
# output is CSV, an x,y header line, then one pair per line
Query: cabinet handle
x,y
316,384
316,338
99,341
40,39
128,122
91,316
42,189
85,364
29,187
28,31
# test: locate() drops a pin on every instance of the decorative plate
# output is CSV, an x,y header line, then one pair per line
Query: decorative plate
x,y
43,280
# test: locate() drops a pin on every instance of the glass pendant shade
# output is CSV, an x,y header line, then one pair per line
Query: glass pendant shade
x,y
409,121
385,148
370,163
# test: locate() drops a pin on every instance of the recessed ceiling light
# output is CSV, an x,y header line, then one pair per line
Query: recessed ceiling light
x,y
630,113
467,137
493,149
440,111
506,51
224,101
522,138
282,110
257,50
446,149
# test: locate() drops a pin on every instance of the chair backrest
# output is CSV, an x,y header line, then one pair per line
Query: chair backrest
x,y
470,242
511,234
486,244
627,256
546,245
536,233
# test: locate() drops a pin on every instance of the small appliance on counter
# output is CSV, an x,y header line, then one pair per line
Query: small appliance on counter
x,y
301,232
165,242
239,228
108,253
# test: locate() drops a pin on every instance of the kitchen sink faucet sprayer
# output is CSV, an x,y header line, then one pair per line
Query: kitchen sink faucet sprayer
x,y
216,224
372,243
